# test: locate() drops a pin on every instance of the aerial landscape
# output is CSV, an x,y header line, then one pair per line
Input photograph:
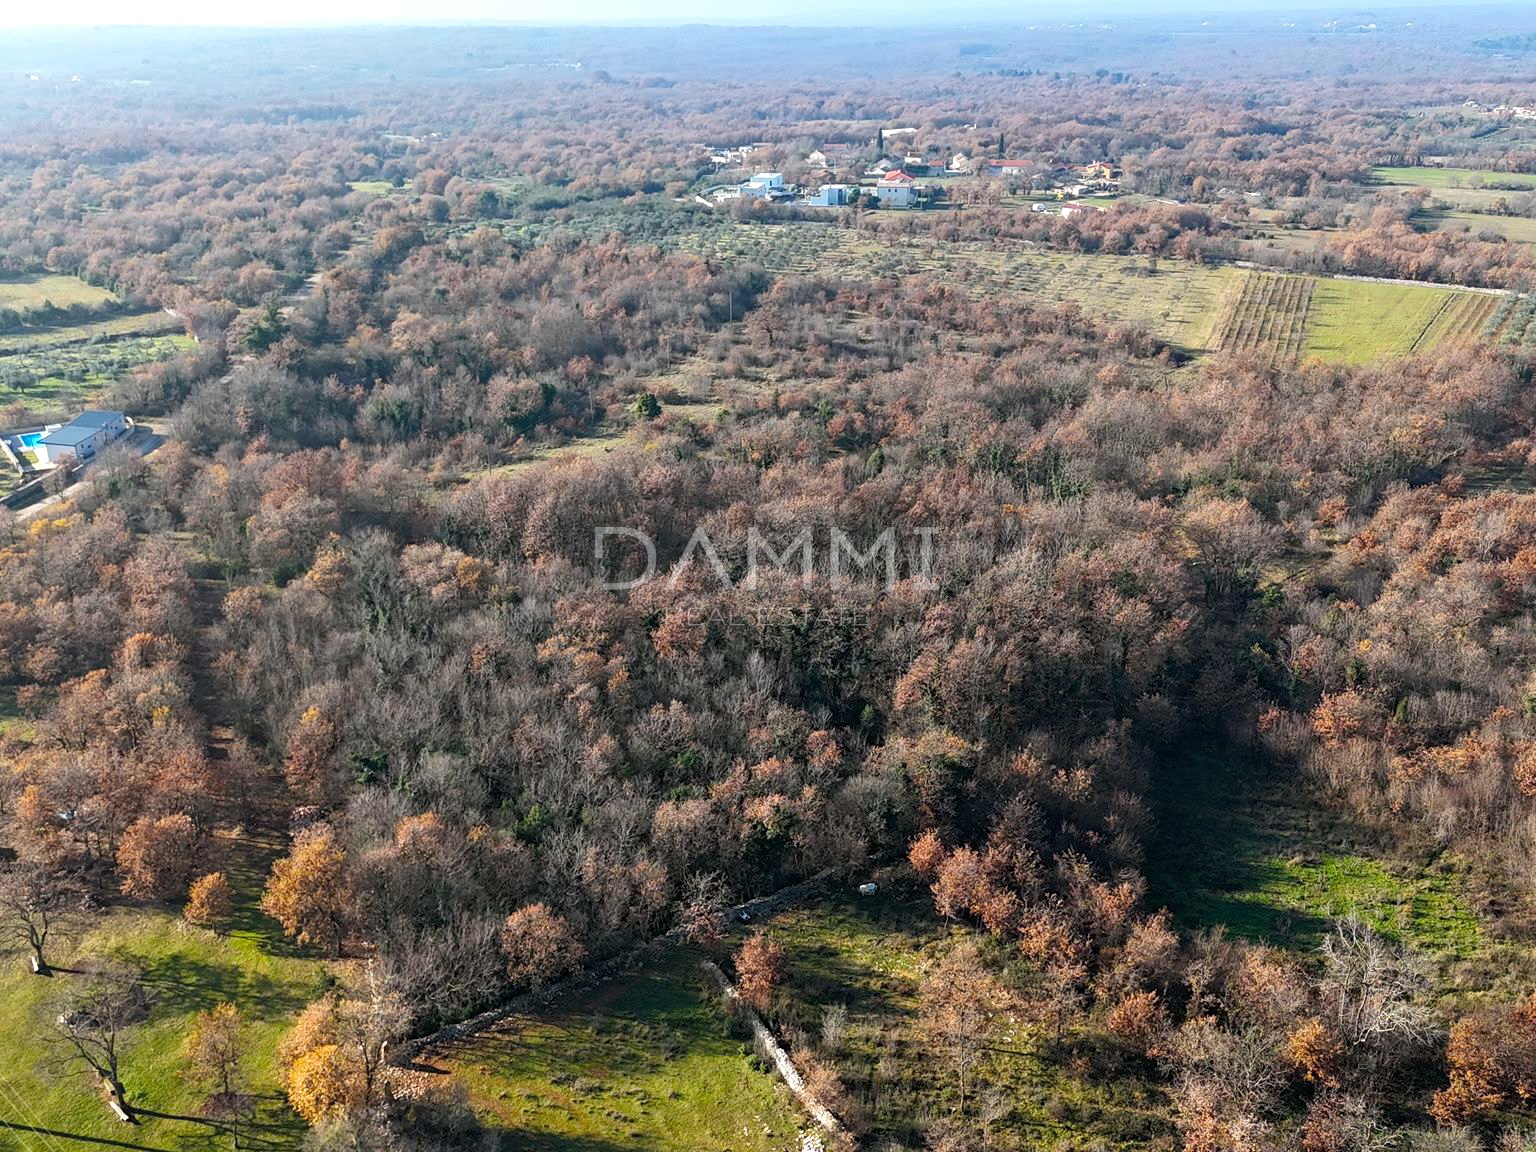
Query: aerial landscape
x,y
785,582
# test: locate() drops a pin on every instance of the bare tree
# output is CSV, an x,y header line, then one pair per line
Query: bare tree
x,y
92,1019
1374,988
36,904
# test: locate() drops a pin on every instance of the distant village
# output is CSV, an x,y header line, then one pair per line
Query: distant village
x,y
904,177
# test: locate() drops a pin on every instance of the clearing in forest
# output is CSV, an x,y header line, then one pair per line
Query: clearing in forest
x,y
1240,850
1453,178
853,977
185,970
31,293
648,1060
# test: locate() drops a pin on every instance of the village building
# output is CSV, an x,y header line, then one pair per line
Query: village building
x,y
764,186
897,189
830,196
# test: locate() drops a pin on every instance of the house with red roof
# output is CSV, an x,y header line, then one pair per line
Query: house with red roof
x,y
897,189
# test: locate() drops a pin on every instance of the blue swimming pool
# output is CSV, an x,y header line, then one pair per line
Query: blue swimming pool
x,y
32,439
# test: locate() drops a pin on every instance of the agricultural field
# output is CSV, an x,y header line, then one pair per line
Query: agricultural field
x,y
41,366
46,1104
1269,317
1513,322
1198,308
1439,178
1464,318
1521,229
30,293
1176,301
1360,321
648,1060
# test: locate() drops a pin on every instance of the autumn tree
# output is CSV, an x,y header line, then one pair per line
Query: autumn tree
x,y
214,1050
335,1055
961,1009
309,892
210,901
1491,1061
759,969
539,946
156,856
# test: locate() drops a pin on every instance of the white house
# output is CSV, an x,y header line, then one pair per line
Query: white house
x,y
830,196
896,189
84,436
764,185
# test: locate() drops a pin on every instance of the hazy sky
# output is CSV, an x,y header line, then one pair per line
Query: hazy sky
x,y
20,13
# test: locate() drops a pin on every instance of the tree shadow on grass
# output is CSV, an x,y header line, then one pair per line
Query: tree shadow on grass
x,y
54,1134
184,984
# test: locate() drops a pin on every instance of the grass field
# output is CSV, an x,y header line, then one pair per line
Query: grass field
x,y
1195,307
1438,178
1521,229
1247,853
1357,321
25,293
48,1106
372,187
645,1061
867,955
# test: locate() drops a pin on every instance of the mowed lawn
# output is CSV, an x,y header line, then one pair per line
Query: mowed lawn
x,y
49,1103
647,1060
1358,322
24,293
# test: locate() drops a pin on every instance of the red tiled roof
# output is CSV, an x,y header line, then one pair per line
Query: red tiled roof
x,y
897,176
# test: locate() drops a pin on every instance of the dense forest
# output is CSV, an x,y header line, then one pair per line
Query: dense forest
x,y
324,664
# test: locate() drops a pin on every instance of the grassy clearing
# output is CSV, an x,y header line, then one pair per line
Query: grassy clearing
x,y
1358,322
371,187
14,724
867,955
187,970
600,442
26,293
89,332
1452,178
645,1061
1258,858
1521,229
1175,300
